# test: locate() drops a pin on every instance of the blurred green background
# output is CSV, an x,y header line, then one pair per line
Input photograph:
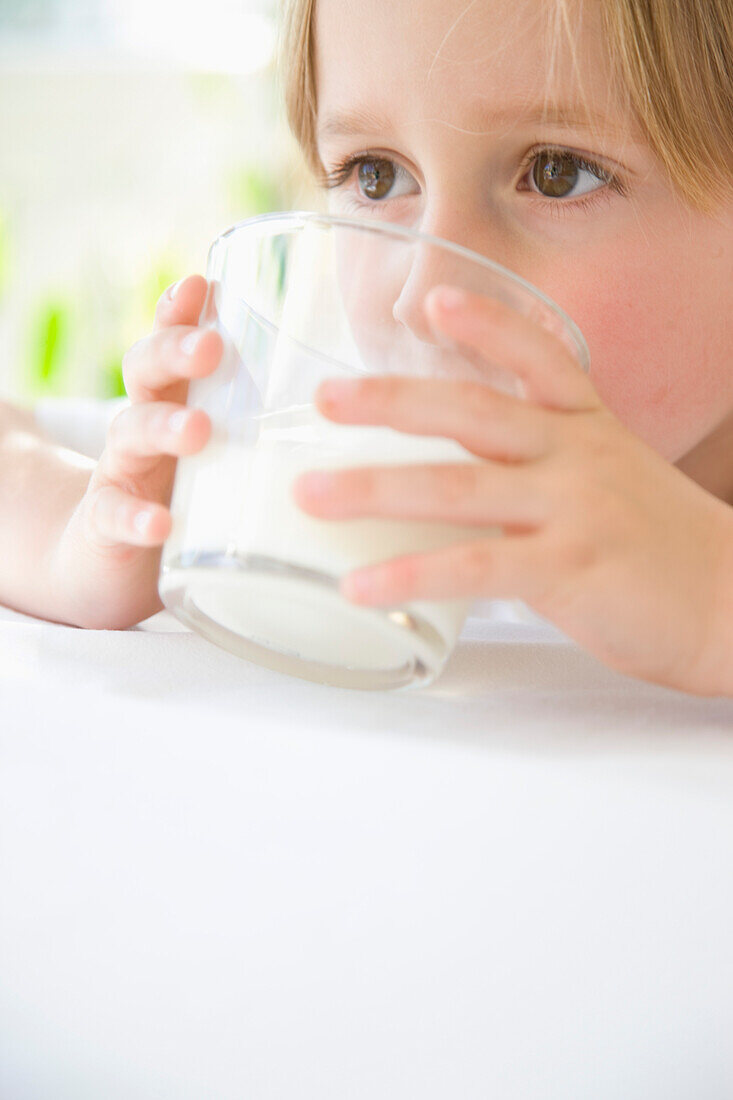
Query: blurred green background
x,y
132,133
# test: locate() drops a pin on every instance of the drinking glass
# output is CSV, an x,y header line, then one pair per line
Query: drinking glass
x,y
298,298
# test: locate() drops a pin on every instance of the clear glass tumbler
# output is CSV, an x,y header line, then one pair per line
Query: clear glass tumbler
x,y
298,298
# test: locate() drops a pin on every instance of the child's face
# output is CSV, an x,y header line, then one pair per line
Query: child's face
x,y
439,98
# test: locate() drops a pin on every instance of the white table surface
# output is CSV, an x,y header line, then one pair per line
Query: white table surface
x,y
220,883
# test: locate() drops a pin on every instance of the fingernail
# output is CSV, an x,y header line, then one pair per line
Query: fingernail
x,y
317,485
177,421
358,586
174,289
190,343
450,298
142,520
336,390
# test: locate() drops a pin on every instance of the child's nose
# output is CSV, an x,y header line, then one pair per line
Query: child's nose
x,y
430,266
433,264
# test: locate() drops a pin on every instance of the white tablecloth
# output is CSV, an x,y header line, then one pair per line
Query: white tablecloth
x,y
220,883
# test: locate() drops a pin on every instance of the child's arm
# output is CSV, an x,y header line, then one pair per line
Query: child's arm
x,y
74,546
40,485
601,535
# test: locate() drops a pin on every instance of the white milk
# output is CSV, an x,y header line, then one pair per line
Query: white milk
x,y
235,499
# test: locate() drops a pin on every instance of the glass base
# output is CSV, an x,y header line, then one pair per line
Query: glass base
x,y
294,620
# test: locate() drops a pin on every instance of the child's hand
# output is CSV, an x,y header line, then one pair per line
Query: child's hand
x,y
108,557
600,534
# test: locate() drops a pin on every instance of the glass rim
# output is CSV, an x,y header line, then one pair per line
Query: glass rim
x,y
295,218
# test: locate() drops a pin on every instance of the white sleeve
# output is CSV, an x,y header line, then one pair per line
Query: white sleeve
x,y
80,423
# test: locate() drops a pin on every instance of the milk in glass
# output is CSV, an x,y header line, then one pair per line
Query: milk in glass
x,y
251,560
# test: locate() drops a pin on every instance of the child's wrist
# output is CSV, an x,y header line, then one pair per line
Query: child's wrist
x,y
713,673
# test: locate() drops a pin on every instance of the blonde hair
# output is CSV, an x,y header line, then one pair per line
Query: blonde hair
x,y
674,59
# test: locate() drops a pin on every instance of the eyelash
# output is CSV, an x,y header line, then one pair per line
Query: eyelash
x,y
341,172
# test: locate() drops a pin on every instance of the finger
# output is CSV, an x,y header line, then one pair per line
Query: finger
x,y
484,421
550,373
181,303
140,434
493,567
162,363
470,493
115,517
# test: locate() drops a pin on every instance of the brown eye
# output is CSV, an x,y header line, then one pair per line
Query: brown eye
x,y
555,174
376,177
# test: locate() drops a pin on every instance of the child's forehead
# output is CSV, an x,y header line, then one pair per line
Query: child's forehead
x,y
461,61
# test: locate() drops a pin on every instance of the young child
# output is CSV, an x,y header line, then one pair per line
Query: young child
x,y
588,146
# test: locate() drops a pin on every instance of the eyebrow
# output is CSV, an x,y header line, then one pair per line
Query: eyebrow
x,y
352,123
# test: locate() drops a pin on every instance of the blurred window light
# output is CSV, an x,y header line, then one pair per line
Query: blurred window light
x,y
222,36
47,22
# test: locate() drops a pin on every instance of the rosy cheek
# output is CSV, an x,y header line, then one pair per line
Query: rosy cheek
x,y
639,355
